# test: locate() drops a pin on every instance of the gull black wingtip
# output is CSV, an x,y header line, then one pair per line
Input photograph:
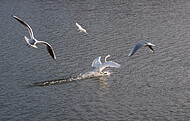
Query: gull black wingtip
x,y
130,55
13,16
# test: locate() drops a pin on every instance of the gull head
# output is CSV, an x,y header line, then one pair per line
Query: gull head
x,y
109,56
150,44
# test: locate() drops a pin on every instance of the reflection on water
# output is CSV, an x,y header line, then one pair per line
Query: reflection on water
x,y
103,82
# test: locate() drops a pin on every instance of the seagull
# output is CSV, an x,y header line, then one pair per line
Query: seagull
x,y
99,66
139,45
32,41
81,29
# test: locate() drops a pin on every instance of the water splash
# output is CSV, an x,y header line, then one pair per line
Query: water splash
x,y
86,75
93,74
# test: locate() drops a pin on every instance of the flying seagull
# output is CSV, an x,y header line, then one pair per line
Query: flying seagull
x,y
99,66
139,45
81,29
32,41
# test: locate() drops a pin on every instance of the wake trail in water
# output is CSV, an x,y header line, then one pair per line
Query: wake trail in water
x,y
86,75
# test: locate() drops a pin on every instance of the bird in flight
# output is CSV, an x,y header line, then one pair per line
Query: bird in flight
x,y
80,28
32,41
139,45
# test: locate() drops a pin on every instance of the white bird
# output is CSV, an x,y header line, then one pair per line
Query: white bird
x,y
32,41
97,64
81,29
139,45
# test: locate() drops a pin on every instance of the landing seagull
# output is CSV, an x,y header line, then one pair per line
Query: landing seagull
x,y
99,66
32,41
81,29
139,45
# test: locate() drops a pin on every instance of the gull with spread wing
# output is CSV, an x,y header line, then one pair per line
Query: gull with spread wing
x,y
32,41
139,45
99,66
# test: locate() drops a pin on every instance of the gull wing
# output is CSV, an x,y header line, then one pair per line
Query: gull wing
x,y
135,48
79,26
25,24
49,49
86,32
97,62
27,40
150,47
109,64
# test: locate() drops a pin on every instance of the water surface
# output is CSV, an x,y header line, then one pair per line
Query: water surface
x,y
147,86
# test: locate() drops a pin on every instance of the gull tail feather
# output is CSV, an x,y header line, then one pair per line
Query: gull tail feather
x,y
34,46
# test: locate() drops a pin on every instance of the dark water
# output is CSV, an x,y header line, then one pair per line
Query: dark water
x,y
146,87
